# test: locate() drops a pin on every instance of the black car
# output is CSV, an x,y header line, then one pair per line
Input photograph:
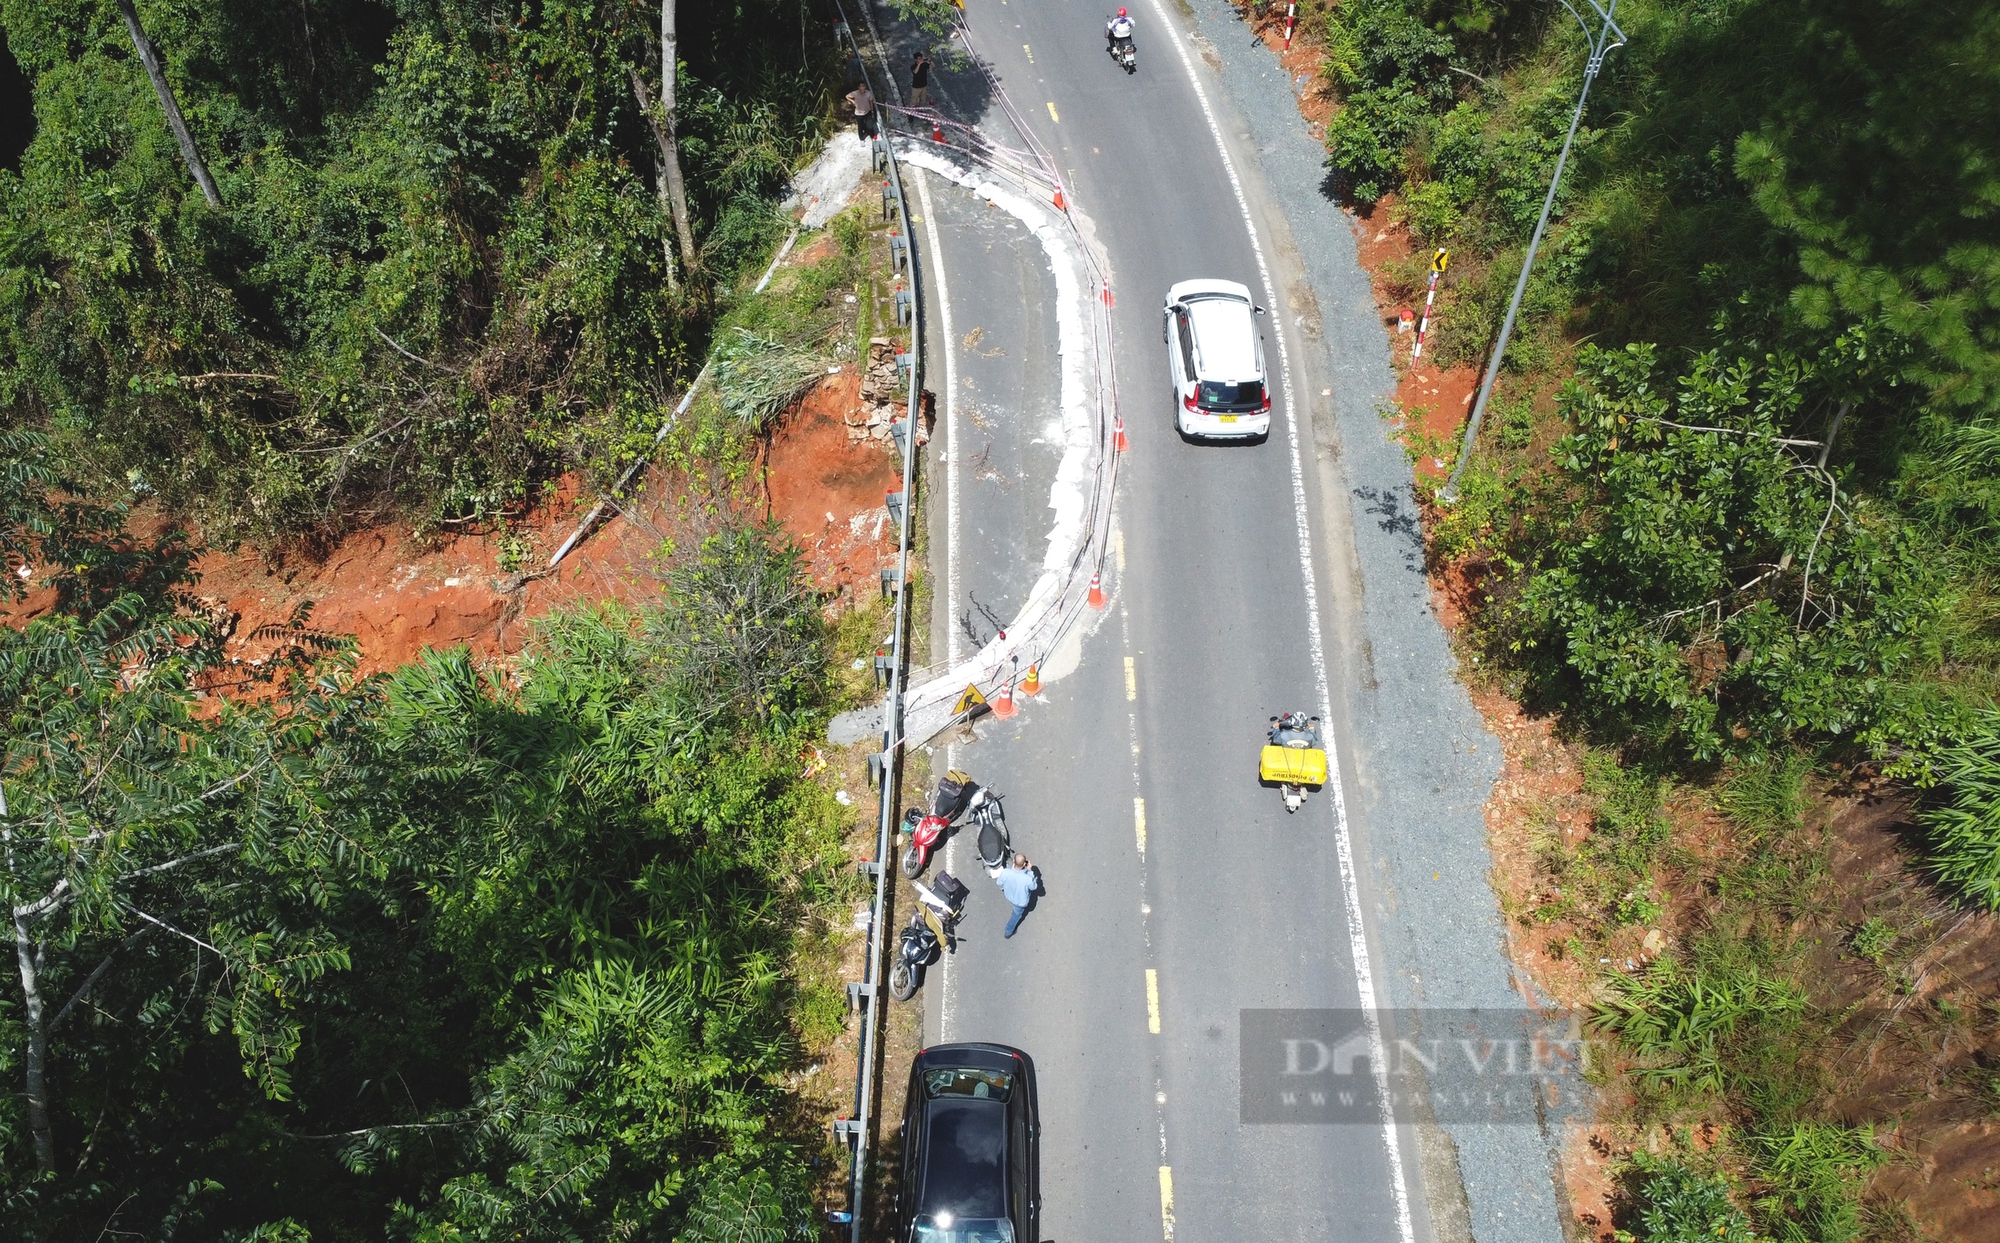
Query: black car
x,y
971,1148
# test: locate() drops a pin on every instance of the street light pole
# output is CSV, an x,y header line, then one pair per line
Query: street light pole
x,y
1608,37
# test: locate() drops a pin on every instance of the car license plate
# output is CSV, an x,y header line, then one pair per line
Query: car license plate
x,y
1227,418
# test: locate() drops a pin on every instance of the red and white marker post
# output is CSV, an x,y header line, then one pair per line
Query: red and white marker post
x,y
1291,21
1438,264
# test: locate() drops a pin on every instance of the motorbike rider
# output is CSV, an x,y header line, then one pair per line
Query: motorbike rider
x,y
1294,729
1118,32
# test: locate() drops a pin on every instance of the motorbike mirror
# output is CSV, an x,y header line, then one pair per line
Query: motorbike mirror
x,y
1260,310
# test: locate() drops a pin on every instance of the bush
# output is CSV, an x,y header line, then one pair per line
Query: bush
x,y
1964,831
1688,576
1390,67
1814,1171
1678,1205
1686,1025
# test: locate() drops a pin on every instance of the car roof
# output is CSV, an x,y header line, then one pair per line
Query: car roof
x,y
1225,338
965,1167
1198,288
980,1054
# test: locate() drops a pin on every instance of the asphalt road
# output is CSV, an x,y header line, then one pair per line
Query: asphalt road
x,y
1178,891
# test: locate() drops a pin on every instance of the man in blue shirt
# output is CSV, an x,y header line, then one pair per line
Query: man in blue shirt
x,y
1019,884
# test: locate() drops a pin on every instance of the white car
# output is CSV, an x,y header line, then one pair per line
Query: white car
x,y
1215,356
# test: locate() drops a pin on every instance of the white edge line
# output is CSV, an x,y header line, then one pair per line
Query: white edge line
x,y
1357,935
951,525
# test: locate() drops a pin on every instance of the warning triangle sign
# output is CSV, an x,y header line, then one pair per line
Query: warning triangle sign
x,y
968,701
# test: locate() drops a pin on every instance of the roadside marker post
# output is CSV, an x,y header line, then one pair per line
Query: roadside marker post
x,y
1291,22
1439,261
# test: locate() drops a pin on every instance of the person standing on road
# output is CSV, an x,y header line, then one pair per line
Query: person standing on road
x,y
1019,884
863,102
920,81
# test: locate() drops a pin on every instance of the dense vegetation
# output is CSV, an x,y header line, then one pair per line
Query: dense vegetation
x,y
434,955
1732,513
437,270
1755,510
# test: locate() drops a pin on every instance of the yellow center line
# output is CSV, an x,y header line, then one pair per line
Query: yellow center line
x,y
1139,825
1118,546
1052,113
1131,680
1030,51
1167,1202
1153,1006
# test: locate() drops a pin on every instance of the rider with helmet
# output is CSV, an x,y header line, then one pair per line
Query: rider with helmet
x,y
1118,32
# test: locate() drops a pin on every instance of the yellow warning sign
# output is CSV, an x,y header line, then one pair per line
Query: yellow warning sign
x,y
968,701
1440,259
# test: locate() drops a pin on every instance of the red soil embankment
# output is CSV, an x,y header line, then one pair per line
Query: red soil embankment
x,y
398,594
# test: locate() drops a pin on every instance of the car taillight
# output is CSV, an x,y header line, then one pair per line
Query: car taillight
x,y
1187,403
1267,403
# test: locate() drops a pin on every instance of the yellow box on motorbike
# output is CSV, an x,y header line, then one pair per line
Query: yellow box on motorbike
x,y
1296,766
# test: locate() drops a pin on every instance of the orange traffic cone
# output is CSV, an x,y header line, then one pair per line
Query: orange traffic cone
x,y
1032,684
1097,590
1059,201
937,131
1003,705
1120,440
1107,294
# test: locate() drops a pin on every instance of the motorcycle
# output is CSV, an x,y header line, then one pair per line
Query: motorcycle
x,y
1125,54
1292,760
955,796
933,926
996,844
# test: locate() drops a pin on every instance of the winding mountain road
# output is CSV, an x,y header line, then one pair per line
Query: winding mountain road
x,y
1180,897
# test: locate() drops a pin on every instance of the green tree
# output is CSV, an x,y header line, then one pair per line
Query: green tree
x,y
1714,581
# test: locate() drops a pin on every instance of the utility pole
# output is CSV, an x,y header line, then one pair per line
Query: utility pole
x,y
1608,37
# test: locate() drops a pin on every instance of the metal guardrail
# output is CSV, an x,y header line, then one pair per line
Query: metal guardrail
x,y
1033,167
870,991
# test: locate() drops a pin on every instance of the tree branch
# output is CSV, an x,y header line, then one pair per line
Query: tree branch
x,y
161,923
93,978
171,864
394,345
376,1130
1732,431
149,56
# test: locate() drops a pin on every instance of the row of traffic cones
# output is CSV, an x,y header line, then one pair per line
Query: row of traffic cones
x,y
1003,705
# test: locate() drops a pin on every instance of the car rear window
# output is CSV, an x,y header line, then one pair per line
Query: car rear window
x,y
980,1084
1218,394
944,1228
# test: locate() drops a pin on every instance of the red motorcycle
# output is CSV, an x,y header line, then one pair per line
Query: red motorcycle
x,y
955,796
